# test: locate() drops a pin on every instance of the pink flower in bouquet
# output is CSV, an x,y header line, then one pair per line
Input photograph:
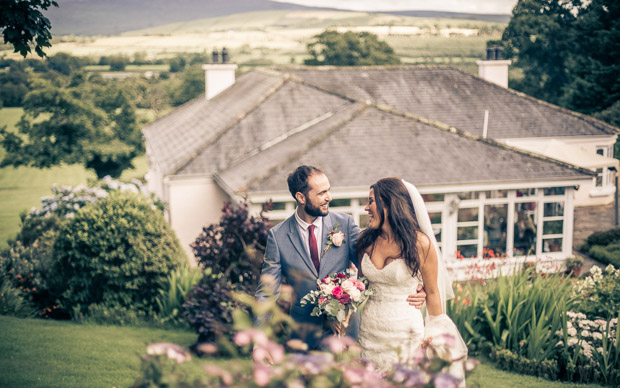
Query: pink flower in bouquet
x,y
322,299
360,286
337,292
325,279
344,299
341,276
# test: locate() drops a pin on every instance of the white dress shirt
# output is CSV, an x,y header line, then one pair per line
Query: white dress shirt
x,y
303,230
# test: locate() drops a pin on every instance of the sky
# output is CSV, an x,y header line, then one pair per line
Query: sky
x,y
465,6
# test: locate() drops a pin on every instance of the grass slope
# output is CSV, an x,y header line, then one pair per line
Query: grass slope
x,y
41,353
21,188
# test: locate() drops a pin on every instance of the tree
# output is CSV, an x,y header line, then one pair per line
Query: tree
x,y
349,49
539,35
569,51
25,25
68,125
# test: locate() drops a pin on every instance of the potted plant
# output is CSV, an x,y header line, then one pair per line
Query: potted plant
x,y
574,265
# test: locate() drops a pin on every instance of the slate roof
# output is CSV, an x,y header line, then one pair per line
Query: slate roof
x,y
456,98
374,144
360,124
178,137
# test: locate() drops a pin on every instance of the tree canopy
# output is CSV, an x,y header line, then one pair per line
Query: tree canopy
x,y
349,49
24,25
569,52
78,123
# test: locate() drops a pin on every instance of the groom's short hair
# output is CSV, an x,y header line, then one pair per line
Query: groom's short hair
x,y
298,179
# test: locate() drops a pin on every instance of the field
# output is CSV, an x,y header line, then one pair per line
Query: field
x,y
280,37
21,188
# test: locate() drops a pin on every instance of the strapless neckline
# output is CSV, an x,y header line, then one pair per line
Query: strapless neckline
x,y
366,256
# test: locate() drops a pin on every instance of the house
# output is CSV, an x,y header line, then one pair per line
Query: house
x,y
484,157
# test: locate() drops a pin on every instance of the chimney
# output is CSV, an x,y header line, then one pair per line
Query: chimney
x,y
218,76
494,68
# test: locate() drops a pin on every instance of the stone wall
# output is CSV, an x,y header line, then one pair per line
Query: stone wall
x,y
590,219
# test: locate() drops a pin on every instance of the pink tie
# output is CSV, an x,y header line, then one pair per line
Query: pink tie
x,y
314,252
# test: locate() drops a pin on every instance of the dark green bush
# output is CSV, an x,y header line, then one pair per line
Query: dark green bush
x,y
609,254
13,301
601,238
116,253
27,263
507,360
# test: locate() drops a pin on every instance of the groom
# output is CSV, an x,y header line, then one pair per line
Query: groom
x,y
296,252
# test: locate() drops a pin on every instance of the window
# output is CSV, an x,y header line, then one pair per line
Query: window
x,y
495,223
467,232
553,226
603,175
525,229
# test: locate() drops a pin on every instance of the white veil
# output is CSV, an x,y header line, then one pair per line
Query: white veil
x,y
440,324
444,281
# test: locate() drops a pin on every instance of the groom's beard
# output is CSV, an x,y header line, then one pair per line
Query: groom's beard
x,y
314,211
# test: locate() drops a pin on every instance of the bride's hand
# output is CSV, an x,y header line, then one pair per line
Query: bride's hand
x,y
417,300
339,328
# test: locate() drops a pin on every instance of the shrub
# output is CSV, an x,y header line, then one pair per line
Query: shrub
x,y
117,253
13,302
601,238
589,349
209,308
609,254
507,360
235,246
28,262
598,294
171,298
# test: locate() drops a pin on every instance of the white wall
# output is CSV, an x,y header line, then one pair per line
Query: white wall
x,y
193,203
588,194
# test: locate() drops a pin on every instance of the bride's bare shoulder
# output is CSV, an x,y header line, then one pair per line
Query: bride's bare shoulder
x,y
424,244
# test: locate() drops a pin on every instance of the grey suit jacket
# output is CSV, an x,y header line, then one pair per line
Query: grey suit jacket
x,y
286,259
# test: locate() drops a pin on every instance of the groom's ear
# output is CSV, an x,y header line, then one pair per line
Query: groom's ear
x,y
301,199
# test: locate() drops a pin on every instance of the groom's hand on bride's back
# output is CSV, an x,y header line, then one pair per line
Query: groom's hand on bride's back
x,y
417,300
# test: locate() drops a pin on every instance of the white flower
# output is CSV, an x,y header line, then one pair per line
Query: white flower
x,y
327,288
572,341
572,331
585,333
599,350
597,335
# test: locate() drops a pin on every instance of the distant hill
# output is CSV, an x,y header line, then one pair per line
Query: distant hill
x,y
113,17
499,18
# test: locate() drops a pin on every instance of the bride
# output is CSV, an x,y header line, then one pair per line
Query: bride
x,y
398,251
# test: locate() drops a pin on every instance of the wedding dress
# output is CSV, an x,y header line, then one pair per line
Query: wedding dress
x,y
391,330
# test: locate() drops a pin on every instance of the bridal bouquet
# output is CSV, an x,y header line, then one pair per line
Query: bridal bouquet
x,y
338,296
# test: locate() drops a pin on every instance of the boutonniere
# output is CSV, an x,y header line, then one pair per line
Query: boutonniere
x,y
335,237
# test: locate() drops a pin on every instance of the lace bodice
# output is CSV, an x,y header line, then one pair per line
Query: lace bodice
x,y
388,322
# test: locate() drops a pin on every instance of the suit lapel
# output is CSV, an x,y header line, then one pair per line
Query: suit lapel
x,y
327,227
295,238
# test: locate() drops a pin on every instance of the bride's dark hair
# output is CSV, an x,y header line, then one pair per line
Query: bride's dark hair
x,y
391,194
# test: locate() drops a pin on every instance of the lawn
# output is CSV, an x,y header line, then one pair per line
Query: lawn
x,y
21,188
43,353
